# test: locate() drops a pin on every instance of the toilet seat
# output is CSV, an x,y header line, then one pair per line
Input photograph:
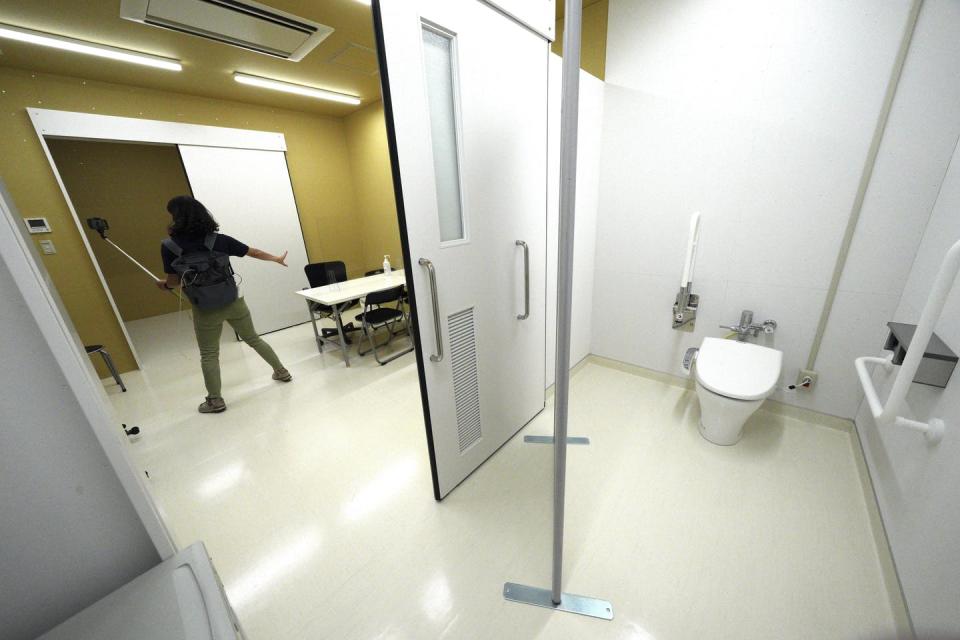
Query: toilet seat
x,y
737,370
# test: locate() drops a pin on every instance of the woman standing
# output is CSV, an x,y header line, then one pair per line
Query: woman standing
x,y
193,235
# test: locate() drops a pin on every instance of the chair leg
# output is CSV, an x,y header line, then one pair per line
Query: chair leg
x,y
370,333
107,360
396,355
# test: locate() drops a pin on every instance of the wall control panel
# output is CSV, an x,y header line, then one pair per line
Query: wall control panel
x,y
37,225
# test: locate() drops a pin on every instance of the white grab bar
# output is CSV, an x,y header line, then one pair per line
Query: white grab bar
x,y
693,242
889,413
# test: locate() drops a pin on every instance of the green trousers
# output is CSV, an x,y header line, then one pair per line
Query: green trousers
x,y
208,324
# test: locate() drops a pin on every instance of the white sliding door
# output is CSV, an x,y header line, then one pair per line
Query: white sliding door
x,y
466,103
250,195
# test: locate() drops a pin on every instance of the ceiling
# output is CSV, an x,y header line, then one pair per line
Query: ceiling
x,y
344,62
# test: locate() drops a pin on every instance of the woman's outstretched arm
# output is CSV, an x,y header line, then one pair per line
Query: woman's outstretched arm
x,y
269,257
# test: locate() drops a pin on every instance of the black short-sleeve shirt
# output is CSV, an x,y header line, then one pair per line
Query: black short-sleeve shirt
x,y
226,244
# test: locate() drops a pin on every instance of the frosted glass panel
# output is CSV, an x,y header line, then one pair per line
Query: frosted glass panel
x,y
438,65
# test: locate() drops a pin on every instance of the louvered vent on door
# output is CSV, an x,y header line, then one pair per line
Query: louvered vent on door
x,y
466,392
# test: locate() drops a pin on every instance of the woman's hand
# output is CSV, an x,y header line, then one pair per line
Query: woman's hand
x,y
161,284
259,254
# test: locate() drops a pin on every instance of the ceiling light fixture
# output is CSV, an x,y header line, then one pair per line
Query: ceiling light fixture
x,y
89,48
299,89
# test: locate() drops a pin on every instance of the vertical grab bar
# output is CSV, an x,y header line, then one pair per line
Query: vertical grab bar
x,y
438,356
889,413
526,280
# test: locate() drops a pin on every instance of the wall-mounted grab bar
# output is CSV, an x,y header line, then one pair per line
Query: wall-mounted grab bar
x,y
685,306
889,413
693,243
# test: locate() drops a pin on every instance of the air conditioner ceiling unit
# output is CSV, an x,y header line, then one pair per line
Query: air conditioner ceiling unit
x,y
248,25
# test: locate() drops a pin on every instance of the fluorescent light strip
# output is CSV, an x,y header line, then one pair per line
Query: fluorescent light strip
x,y
299,89
88,48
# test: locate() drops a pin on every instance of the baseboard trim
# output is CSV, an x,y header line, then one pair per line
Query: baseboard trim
x,y
574,370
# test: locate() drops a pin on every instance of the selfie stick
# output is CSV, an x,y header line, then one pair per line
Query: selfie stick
x,y
100,225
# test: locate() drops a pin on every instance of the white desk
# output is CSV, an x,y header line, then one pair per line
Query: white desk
x,y
338,296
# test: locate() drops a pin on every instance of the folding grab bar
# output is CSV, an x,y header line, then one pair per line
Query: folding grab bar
x,y
889,413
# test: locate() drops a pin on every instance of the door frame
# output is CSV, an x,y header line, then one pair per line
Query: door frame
x,y
73,125
35,285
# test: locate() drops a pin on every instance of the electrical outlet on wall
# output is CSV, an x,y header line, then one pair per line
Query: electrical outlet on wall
x,y
806,380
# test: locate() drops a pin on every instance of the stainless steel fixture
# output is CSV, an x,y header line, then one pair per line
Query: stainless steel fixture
x,y
438,356
685,307
938,361
748,328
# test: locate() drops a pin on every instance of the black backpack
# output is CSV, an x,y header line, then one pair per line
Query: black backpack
x,y
206,275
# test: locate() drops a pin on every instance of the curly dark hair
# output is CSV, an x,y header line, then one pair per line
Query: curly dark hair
x,y
190,218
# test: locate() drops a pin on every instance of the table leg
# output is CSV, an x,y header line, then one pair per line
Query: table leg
x,y
316,332
343,343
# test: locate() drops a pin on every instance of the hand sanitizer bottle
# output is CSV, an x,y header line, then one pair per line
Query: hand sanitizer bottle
x,y
386,265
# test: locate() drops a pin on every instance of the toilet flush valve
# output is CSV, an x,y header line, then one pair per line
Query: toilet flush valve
x,y
689,357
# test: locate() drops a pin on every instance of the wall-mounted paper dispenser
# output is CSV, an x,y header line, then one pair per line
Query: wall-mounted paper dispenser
x,y
938,360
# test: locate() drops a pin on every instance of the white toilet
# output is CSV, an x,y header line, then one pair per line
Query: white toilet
x,y
733,379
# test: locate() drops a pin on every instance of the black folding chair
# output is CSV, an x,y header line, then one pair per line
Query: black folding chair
x,y
404,299
375,316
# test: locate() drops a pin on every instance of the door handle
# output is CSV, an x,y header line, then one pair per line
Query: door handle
x,y
436,308
526,280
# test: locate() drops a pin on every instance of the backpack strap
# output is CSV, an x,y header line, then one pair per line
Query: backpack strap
x,y
172,246
209,241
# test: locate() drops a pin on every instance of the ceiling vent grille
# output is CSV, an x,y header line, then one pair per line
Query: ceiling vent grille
x,y
248,25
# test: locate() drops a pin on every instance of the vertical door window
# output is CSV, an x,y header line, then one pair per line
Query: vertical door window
x,y
439,68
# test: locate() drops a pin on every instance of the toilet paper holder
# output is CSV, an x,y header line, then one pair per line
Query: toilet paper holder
x,y
938,361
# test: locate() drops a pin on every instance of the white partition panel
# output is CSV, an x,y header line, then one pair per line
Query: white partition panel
x,y
538,15
589,136
249,193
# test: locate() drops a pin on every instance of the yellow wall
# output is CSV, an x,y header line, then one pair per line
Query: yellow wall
x,y
129,185
373,182
316,151
593,46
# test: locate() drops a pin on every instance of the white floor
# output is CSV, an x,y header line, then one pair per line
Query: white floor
x,y
314,499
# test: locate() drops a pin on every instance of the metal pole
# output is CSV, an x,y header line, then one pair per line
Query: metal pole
x,y
569,112
554,598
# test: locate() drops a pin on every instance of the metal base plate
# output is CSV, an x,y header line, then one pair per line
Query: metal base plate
x,y
569,602
549,439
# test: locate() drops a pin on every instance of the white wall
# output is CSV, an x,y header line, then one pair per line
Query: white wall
x,y
68,533
759,114
585,233
917,146
917,484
